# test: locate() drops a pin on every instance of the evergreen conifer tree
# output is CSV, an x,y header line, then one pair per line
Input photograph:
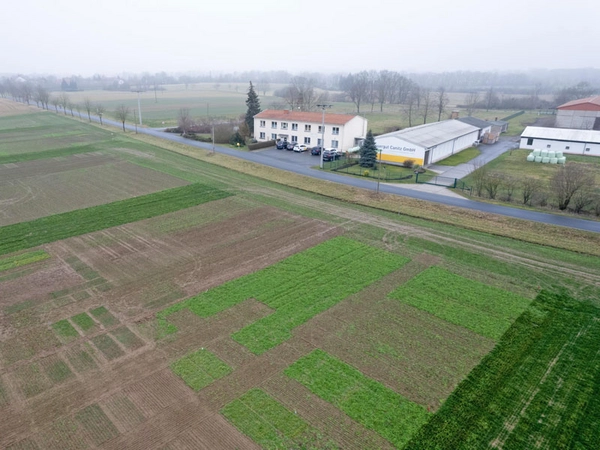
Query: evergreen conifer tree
x,y
368,151
253,104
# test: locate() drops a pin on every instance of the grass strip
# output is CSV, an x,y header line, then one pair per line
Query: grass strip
x,y
199,369
486,310
65,331
266,421
367,401
298,288
83,321
31,156
535,389
20,260
74,223
460,158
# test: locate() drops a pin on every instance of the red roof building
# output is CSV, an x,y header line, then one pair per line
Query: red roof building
x,y
582,114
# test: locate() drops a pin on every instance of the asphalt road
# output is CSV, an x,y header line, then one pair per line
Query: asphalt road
x,y
305,169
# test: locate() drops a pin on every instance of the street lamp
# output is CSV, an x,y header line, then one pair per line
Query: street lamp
x,y
323,106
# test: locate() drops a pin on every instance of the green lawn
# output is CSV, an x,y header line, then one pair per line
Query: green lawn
x,y
460,157
367,401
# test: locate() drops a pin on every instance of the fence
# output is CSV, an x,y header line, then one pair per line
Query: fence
x,y
426,178
352,168
512,116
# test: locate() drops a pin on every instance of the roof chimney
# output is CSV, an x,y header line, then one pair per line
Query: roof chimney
x,y
454,114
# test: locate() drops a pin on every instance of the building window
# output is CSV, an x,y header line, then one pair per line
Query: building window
x,y
294,127
335,144
320,129
548,146
567,147
262,135
307,140
335,130
284,125
294,139
319,142
530,141
262,123
273,124
273,136
307,127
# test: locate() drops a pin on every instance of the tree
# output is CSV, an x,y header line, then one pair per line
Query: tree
x,y
471,102
411,105
122,113
529,188
357,88
184,120
441,101
88,106
263,86
253,104
43,96
568,180
426,104
384,85
368,151
54,101
479,176
64,101
307,97
491,99
100,110
491,183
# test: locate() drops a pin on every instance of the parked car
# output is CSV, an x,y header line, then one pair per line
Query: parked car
x,y
290,145
300,148
281,145
330,156
332,150
315,150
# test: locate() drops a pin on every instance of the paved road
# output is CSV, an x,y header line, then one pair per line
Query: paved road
x,y
304,169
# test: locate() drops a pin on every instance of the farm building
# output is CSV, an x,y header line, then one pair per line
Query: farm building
x,y
577,142
342,131
427,144
582,114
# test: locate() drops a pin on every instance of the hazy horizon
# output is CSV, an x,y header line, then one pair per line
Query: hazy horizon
x,y
181,36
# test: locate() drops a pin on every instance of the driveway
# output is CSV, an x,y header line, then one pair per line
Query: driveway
x,y
304,159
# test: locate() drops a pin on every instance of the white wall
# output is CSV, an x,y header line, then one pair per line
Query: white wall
x,y
451,147
395,150
581,120
575,148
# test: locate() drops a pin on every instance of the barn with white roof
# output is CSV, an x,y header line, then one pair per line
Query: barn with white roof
x,y
426,144
576,142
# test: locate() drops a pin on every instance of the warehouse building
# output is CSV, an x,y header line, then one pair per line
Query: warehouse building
x,y
582,114
342,131
575,142
427,144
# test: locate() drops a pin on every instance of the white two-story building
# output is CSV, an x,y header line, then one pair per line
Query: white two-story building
x,y
342,131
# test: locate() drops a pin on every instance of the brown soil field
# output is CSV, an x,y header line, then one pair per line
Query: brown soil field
x,y
39,188
10,108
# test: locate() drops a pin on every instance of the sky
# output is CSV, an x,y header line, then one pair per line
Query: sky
x,y
110,37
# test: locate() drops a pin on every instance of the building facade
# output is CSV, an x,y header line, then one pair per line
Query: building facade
x,y
426,144
342,131
582,114
569,141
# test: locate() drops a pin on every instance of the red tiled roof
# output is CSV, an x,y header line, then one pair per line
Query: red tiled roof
x,y
301,116
582,101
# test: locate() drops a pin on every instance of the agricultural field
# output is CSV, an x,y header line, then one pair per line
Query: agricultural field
x,y
213,309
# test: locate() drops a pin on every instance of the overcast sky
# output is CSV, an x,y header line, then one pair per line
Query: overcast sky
x,y
115,36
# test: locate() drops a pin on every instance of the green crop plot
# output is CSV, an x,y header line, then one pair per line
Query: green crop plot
x,y
538,388
97,424
128,338
199,369
107,346
298,288
74,223
367,401
104,316
266,421
22,259
83,321
58,371
65,331
483,309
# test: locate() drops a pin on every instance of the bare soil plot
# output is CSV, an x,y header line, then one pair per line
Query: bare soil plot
x,y
34,189
10,108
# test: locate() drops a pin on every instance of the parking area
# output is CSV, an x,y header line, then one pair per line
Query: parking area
x,y
303,158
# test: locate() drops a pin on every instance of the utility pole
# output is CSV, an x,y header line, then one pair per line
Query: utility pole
x,y
139,105
323,106
379,171
135,120
213,137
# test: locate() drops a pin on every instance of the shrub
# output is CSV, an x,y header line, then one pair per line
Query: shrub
x,y
237,139
409,163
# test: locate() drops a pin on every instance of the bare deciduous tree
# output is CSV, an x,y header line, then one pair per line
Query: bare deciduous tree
x,y
491,184
529,188
471,102
356,87
54,101
88,106
582,198
100,110
510,184
64,101
569,179
184,120
479,176
426,103
121,113
441,101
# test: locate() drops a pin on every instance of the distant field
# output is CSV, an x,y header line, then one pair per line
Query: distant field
x,y
286,318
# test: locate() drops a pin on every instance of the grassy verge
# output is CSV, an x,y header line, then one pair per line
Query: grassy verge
x,y
266,421
483,309
297,288
460,157
368,402
61,152
535,389
74,223
199,369
20,260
